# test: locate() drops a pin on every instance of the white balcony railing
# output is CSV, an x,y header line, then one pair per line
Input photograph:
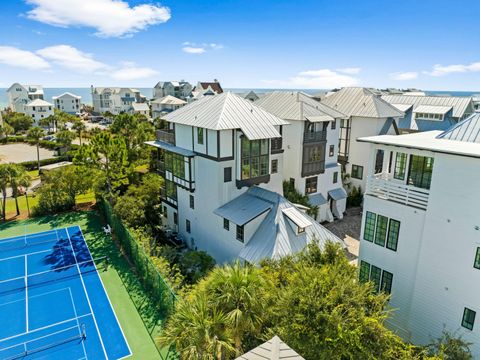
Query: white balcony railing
x,y
384,187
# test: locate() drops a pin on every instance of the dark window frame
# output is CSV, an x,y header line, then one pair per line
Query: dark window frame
x,y
393,234
364,273
468,318
387,281
335,177
357,172
331,150
200,137
255,158
227,174
188,226
274,165
311,185
381,230
476,262
420,170
400,166
192,202
371,222
226,224
240,233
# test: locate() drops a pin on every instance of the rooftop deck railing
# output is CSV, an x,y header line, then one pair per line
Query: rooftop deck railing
x,y
385,187
166,136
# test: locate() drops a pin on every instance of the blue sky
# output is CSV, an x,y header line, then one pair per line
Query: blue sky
x,y
245,44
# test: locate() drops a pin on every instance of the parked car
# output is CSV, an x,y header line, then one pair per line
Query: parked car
x,y
49,138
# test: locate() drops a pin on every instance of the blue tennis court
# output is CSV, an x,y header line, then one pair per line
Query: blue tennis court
x,y
52,301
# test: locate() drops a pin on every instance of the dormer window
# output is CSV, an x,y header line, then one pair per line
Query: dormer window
x,y
300,230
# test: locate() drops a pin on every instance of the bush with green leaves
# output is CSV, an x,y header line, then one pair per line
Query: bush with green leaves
x,y
355,197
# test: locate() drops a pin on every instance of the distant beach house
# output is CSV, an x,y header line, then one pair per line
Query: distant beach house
x,y
38,109
205,89
425,113
310,146
179,89
141,108
367,115
165,105
115,99
20,95
68,102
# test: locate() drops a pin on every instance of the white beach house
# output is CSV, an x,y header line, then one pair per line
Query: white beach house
x,y
310,146
20,95
68,102
223,180
140,109
165,105
115,99
367,115
38,109
179,89
420,239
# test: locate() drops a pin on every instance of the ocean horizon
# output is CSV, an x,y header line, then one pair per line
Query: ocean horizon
x,y
84,92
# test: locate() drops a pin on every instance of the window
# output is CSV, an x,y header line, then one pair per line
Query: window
x,y
240,233
334,124
165,212
379,161
226,224
175,218
468,319
364,271
387,279
200,135
335,177
420,171
227,174
192,202
274,166
171,189
381,230
254,158
187,226
175,164
357,172
311,185
376,276
400,166
393,232
476,263
369,230
331,150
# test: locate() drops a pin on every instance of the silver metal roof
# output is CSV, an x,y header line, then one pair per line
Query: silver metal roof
x,y
432,109
276,237
297,217
169,147
66,94
357,101
467,130
169,100
295,105
461,105
316,199
39,102
403,107
243,208
273,349
140,106
228,111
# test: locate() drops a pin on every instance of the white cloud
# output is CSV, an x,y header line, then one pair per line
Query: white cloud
x,y
111,18
401,76
22,58
350,70
130,71
193,48
72,58
316,79
440,70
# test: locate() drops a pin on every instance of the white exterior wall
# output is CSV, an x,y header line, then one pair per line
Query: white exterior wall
x,y
433,274
68,103
17,98
360,152
40,112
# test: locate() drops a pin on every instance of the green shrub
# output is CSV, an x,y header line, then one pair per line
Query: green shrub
x,y
32,165
355,197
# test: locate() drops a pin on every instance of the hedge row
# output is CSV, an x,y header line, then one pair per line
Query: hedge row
x,y
32,165
51,145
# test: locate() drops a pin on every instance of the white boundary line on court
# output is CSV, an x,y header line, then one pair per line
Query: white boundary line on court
x,y
26,293
85,290
78,322
25,236
105,291
32,253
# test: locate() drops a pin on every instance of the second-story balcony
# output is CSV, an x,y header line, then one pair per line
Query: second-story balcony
x,y
316,136
167,136
383,186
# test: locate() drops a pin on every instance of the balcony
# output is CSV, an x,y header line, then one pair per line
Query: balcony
x,y
312,137
167,136
383,186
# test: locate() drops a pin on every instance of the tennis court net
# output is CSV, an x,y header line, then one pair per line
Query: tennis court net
x,y
46,342
57,274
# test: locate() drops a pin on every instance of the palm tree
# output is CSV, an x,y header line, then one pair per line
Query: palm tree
x,y
36,133
6,130
4,180
198,330
46,122
79,126
18,178
65,138
237,290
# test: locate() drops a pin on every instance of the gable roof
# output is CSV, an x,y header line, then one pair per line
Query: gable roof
x,y
357,101
296,105
169,100
467,130
140,106
273,349
228,111
275,237
214,85
461,105
66,94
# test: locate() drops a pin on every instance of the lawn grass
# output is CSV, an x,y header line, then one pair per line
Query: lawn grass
x,y
123,287
33,174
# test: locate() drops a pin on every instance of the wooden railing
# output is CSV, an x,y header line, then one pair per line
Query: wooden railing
x,y
384,187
